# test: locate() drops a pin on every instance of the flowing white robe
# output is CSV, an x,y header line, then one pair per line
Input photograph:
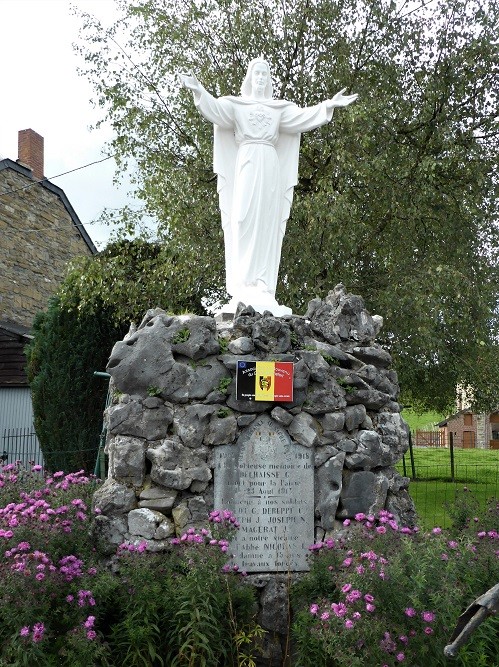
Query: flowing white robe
x,y
255,156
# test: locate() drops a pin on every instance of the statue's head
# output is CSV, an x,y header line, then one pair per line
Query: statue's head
x,y
257,74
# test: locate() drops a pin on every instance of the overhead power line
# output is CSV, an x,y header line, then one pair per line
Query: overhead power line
x,y
42,180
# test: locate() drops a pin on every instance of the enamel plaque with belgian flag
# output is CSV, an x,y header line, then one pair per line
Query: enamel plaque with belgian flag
x,y
264,381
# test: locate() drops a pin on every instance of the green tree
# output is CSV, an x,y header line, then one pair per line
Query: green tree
x,y
94,307
126,279
68,400
397,197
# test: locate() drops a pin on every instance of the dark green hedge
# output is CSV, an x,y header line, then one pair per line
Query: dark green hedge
x,y
68,400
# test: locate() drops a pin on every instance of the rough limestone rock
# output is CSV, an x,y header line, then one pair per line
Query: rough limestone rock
x,y
144,522
222,428
157,498
373,355
304,429
322,454
148,419
113,498
191,423
328,489
242,345
127,459
201,379
144,360
271,334
354,416
318,367
109,532
175,466
281,416
325,397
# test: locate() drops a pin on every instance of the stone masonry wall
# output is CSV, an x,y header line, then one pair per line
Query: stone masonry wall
x,y
38,238
176,402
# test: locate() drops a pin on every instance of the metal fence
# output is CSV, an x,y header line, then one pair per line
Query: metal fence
x,y
21,444
449,480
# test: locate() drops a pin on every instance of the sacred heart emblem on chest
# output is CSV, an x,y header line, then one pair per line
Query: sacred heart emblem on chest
x,y
260,117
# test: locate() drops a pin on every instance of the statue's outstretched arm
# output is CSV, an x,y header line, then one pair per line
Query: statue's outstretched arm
x,y
340,100
190,81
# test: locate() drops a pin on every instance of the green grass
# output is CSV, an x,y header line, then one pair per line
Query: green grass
x,y
477,470
422,422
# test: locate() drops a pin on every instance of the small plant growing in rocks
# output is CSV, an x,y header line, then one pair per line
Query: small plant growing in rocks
x,y
224,384
181,336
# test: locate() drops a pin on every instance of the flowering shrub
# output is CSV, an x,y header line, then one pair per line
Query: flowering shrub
x,y
61,605
46,562
389,595
190,603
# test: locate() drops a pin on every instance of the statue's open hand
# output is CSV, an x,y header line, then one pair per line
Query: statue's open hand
x,y
340,100
189,80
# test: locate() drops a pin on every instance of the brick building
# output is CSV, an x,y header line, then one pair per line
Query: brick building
x,y
471,430
39,233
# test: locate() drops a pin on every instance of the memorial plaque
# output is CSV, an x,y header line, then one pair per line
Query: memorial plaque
x,y
268,482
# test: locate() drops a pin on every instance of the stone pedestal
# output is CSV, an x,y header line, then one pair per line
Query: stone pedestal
x,y
181,444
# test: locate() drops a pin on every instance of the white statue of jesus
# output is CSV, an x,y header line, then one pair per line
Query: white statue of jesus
x,y
255,156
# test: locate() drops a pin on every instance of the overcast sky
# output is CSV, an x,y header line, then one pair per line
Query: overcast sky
x,y
40,89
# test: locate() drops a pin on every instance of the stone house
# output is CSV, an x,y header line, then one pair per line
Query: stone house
x,y
471,430
40,232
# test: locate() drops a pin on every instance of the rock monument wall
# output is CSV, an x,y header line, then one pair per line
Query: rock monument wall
x,y
179,441
181,444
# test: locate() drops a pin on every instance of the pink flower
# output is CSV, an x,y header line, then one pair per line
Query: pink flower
x,y
400,657
381,530
36,468
349,624
324,616
314,608
368,597
370,608
89,623
91,634
436,530
428,630
410,612
38,630
360,516
347,562
346,588
444,557
339,609
24,632
347,522
353,596
428,616
404,639
452,544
